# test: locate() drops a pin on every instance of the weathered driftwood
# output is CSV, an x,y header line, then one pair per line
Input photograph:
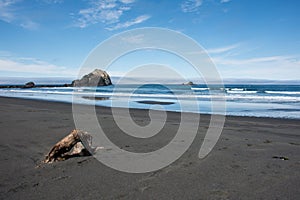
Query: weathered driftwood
x,y
77,143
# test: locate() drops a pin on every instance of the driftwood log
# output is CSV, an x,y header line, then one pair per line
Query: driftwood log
x,y
77,143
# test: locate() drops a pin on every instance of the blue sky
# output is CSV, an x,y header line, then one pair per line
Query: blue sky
x,y
258,39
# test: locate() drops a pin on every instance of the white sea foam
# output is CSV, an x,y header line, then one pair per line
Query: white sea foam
x,y
282,92
239,95
234,89
241,92
202,89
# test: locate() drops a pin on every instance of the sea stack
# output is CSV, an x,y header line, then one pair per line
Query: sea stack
x,y
188,83
29,85
96,78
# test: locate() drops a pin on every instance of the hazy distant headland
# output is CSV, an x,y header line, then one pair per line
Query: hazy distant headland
x,y
37,80
115,79
95,78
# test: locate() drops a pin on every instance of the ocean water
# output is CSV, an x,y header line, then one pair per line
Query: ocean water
x,y
276,101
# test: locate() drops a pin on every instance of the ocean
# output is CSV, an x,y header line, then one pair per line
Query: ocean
x,y
275,101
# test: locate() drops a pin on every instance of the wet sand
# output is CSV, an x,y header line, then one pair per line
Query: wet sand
x,y
255,158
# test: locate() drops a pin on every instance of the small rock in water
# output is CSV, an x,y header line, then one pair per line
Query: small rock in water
x,y
188,83
29,85
281,157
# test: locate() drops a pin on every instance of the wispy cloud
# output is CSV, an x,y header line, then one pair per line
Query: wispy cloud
x,y
232,62
9,12
30,25
225,1
258,60
53,1
191,5
127,1
107,12
274,67
134,39
34,66
127,24
223,49
102,11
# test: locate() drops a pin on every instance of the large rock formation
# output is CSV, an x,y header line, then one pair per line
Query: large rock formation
x,y
96,78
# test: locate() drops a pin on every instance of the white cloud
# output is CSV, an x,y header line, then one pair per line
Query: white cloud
x,y
191,5
127,24
35,66
103,11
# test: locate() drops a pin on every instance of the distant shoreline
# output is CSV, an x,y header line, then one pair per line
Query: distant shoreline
x,y
36,86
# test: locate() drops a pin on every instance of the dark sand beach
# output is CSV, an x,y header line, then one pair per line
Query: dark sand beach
x,y
255,158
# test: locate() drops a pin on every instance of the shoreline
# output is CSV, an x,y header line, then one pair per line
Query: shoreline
x,y
255,158
143,109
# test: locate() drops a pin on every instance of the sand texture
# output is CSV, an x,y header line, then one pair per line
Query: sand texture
x,y
255,158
